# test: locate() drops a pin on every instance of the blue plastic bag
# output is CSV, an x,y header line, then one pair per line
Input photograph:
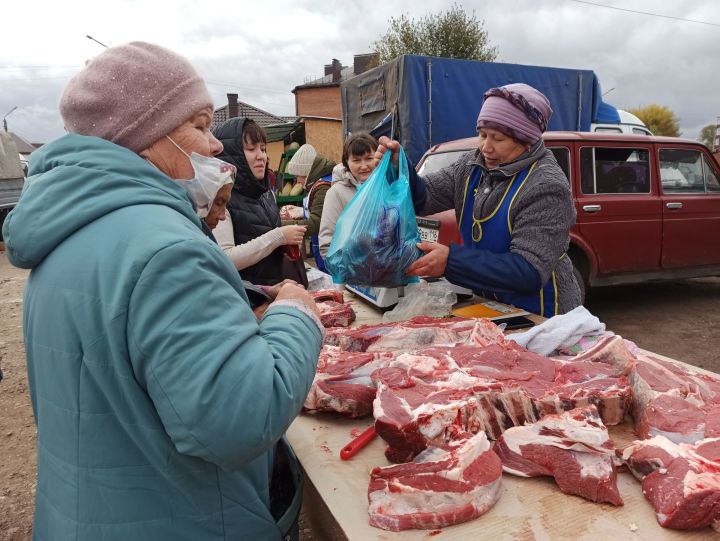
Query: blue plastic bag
x,y
376,235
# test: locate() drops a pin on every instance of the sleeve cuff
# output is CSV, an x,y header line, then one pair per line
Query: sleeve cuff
x,y
300,306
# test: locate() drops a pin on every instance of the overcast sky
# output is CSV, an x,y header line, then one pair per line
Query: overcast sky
x,y
262,50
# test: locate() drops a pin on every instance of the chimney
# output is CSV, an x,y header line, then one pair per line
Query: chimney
x,y
336,69
364,62
233,109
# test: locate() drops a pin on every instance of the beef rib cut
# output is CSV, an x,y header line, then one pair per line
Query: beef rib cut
x,y
441,487
573,447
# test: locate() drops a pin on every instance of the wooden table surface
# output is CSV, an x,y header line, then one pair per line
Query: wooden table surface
x,y
528,509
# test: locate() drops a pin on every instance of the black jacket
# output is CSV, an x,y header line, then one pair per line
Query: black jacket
x,y
252,206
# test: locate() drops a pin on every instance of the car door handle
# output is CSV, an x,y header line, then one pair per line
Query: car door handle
x,y
674,205
592,208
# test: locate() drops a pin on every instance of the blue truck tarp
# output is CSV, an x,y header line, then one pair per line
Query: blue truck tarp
x,y
423,101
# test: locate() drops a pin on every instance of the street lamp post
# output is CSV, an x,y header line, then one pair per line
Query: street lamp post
x,y
7,115
88,36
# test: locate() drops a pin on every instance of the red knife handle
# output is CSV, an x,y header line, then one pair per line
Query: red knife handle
x,y
352,448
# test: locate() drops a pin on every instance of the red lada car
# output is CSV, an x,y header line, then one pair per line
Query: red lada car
x,y
648,208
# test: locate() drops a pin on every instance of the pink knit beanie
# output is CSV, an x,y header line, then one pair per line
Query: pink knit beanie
x,y
518,110
133,95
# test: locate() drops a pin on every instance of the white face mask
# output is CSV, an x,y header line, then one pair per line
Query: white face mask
x,y
211,174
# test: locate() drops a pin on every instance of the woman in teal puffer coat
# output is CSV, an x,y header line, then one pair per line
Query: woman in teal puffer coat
x,y
160,401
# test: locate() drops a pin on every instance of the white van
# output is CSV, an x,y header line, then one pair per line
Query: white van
x,y
629,123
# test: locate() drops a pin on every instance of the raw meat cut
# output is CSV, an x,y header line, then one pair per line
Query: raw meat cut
x,y
442,487
673,401
335,314
343,384
681,481
322,295
573,447
491,389
609,350
403,335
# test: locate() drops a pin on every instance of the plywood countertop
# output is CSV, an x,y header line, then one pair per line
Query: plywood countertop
x,y
528,509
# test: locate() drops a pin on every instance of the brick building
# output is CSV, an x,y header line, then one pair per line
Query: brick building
x,y
318,103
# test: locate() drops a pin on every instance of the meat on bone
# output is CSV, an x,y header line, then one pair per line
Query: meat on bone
x,y
681,481
441,487
573,447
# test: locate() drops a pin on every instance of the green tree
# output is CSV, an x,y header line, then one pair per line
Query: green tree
x,y
707,135
452,34
659,119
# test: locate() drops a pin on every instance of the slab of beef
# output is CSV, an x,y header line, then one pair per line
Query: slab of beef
x,y
611,351
322,295
574,448
343,384
403,335
678,419
681,481
490,389
442,487
674,401
335,314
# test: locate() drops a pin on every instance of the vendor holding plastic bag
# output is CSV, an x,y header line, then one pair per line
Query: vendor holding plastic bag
x,y
376,236
513,206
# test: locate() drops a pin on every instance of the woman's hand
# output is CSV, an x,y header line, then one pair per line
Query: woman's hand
x,y
433,263
297,293
273,291
293,234
385,144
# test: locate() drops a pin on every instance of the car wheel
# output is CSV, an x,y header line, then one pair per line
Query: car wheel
x,y
581,283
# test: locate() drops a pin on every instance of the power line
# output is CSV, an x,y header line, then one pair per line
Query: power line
x,y
646,13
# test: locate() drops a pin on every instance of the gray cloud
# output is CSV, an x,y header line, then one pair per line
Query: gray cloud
x,y
263,50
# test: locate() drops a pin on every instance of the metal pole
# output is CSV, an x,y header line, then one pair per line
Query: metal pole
x,y
88,36
7,115
429,76
580,98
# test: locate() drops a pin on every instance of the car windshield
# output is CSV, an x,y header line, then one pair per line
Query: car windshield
x,y
435,162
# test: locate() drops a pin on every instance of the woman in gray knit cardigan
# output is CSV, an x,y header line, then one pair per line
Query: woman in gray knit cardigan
x,y
513,206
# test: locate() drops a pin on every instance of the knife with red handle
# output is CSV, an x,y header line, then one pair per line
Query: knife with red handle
x,y
352,448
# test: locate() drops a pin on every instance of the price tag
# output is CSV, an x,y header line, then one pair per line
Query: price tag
x,y
429,230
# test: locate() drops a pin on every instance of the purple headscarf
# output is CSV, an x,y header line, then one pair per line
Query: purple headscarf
x,y
518,110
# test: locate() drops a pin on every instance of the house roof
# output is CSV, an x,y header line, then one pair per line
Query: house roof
x,y
263,118
23,145
347,72
279,132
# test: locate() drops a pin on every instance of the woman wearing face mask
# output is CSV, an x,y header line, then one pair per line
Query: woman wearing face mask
x,y
252,235
160,400
259,297
358,161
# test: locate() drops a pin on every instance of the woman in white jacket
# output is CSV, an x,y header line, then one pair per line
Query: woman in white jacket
x,y
358,161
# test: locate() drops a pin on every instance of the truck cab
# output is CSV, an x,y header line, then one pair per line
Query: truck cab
x,y
629,124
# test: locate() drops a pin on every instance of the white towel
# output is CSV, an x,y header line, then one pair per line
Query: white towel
x,y
559,331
